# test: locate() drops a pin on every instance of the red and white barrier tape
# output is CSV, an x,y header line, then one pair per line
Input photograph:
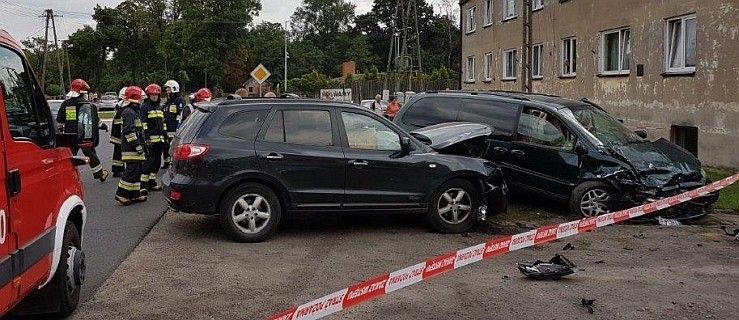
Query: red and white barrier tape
x,y
370,289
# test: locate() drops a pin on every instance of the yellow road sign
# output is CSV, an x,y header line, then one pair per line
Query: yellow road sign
x,y
260,73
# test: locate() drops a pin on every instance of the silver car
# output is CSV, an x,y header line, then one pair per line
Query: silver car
x,y
107,102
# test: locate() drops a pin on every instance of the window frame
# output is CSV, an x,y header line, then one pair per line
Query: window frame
x,y
470,74
38,102
335,141
345,135
487,67
667,45
505,10
471,25
488,14
505,65
540,65
534,7
573,53
621,52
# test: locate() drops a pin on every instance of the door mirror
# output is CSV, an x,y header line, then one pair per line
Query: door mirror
x,y
641,133
88,124
580,149
405,144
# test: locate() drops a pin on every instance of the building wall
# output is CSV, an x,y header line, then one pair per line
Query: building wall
x,y
707,99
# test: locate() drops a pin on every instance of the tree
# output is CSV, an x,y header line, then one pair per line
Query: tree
x,y
321,20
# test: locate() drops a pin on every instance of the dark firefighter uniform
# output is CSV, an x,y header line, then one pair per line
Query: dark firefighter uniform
x,y
67,116
133,154
115,139
172,113
156,139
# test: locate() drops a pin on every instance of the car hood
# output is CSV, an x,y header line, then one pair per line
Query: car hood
x,y
661,162
444,135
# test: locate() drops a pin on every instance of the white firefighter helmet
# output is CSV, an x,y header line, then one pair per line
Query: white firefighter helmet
x,y
173,85
122,93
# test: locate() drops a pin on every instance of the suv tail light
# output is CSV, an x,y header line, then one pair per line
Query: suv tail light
x,y
190,151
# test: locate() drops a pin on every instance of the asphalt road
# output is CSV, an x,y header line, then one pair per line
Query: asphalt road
x,y
112,231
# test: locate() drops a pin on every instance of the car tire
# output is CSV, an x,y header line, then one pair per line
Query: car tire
x,y
244,218
447,203
68,291
586,197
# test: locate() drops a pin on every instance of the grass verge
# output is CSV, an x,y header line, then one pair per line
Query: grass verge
x,y
728,200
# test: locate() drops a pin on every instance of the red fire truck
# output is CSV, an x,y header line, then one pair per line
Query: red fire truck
x,y
42,215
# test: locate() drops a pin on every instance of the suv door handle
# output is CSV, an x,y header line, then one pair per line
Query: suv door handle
x,y
500,150
273,156
358,163
517,153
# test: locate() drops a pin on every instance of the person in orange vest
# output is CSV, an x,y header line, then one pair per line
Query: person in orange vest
x,y
392,108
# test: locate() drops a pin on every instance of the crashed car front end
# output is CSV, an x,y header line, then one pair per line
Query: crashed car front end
x,y
494,191
657,170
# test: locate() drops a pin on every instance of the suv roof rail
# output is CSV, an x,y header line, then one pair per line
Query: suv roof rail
x,y
503,94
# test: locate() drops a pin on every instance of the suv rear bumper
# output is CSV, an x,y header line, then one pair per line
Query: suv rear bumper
x,y
192,197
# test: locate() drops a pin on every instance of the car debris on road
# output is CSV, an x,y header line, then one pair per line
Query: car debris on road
x,y
556,268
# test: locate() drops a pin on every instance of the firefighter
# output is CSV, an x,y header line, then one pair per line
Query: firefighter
x,y
172,112
67,119
133,150
156,132
202,95
115,136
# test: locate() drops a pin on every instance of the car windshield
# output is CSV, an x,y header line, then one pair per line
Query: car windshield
x,y
607,130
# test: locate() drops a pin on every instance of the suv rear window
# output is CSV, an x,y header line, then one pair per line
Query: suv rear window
x,y
432,110
192,124
244,124
500,115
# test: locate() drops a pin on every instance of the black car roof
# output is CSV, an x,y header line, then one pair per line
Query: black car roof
x,y
287,102
539,99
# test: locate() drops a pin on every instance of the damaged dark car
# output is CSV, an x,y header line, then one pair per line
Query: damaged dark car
x,y
567,150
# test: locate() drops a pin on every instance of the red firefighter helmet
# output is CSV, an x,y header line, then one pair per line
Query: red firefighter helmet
x,y
203,95
80,86
133,94
153,89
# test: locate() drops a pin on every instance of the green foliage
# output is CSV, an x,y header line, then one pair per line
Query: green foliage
x,y
728,197
54,90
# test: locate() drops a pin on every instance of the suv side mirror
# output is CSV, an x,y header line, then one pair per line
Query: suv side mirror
x,y
405,144
641,133
580,149
88,124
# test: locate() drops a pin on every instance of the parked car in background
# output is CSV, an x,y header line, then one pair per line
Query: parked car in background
x,y
54,105
107,101
568,150
42,214
254,161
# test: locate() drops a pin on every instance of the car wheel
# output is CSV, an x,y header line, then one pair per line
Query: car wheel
x,y
453,205
250,213
588,197
70,273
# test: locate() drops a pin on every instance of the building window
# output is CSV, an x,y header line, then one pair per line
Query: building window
x,y
615,51
537,4
536,63
569,57
471,25
509,64
488,18
686,137
470,71
488,65
680,43
509,9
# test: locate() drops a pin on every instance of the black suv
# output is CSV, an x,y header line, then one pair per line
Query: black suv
x,y
569,150
252,161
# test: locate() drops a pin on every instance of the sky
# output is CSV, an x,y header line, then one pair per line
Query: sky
x,y
21,17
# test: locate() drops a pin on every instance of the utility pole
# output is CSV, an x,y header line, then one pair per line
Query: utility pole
x,y
49,16
65,45
526,55
287,56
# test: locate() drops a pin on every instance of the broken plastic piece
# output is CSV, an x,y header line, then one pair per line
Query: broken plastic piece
x,y
557,267
669,222
734,233
568,246
588,304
